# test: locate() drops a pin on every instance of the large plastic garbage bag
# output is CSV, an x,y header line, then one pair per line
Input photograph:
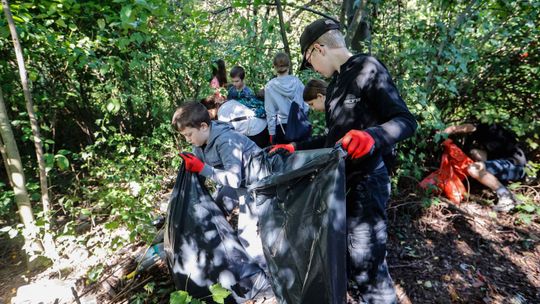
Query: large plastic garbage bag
x,y
202,248
448,178
301,206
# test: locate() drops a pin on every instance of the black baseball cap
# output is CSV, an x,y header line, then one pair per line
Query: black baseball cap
x,y
312,32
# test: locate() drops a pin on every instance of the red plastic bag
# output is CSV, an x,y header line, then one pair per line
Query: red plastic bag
x,y
448,178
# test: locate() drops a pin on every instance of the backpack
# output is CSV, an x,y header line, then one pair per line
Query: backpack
x,y
298,125
254,104
246,97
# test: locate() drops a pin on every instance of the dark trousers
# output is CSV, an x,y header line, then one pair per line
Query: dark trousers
x,y
366,237
262,139
279,138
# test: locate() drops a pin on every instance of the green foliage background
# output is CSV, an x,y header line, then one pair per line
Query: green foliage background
x,y
107,75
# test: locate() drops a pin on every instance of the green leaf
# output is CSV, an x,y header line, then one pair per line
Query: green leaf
x,y
18,19
528,207
180,297
239,3
150,287
123,43
95,273
113,106
514,186
86,212
219,293
49,161
526,218
101,23
64,152
112,225
60,23
62,162
125,13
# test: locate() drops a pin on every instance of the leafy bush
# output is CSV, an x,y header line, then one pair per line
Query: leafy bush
x,y
7,198
123,177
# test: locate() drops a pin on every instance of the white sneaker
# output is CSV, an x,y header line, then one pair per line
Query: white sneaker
x,y
505,203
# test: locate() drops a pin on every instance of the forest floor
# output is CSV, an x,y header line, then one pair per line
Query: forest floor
x,y
463,254
442,254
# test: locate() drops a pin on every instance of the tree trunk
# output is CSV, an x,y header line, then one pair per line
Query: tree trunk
x,y
358,30
14,168
283,33
49,244
346,13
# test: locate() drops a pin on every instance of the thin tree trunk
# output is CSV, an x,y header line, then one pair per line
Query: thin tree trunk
x,y
347,13
14,168
359,29
283,32
49,244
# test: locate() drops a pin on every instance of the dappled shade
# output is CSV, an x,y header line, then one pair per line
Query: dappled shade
x,y
301,205
203,249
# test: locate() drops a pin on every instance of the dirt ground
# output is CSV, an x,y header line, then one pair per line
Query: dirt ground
x,y
463,254
441,254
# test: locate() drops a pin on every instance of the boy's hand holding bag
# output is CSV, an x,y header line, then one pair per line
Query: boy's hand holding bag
x,y
289,148
193,164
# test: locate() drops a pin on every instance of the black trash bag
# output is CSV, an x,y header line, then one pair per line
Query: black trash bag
x,y
301,206
227,199
202,248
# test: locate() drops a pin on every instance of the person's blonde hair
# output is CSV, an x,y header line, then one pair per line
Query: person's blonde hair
x,y
281,62
332,39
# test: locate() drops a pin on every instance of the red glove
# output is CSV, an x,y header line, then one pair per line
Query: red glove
x,y
357,143
193,164
287,147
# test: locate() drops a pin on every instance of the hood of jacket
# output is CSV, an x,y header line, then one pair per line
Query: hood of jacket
x,y
217,129
285,85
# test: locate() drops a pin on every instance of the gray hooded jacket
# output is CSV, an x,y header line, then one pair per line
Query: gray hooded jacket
x,y
278,95
225,154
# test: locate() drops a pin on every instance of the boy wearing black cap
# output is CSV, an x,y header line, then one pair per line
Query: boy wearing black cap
x,y
367,116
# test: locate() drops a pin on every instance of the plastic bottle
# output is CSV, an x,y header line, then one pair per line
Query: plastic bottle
x,y
153,255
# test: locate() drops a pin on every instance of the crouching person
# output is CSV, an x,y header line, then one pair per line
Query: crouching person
x,y
221,155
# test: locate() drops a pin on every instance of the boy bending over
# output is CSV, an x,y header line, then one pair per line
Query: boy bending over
x,y
221,155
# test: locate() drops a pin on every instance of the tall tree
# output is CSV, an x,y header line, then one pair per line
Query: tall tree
x,y
48,242
358,28
283,32
14,168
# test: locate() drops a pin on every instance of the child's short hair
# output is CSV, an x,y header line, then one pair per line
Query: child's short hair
x,y
332,39
238,71
281,62
314,87
190,115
